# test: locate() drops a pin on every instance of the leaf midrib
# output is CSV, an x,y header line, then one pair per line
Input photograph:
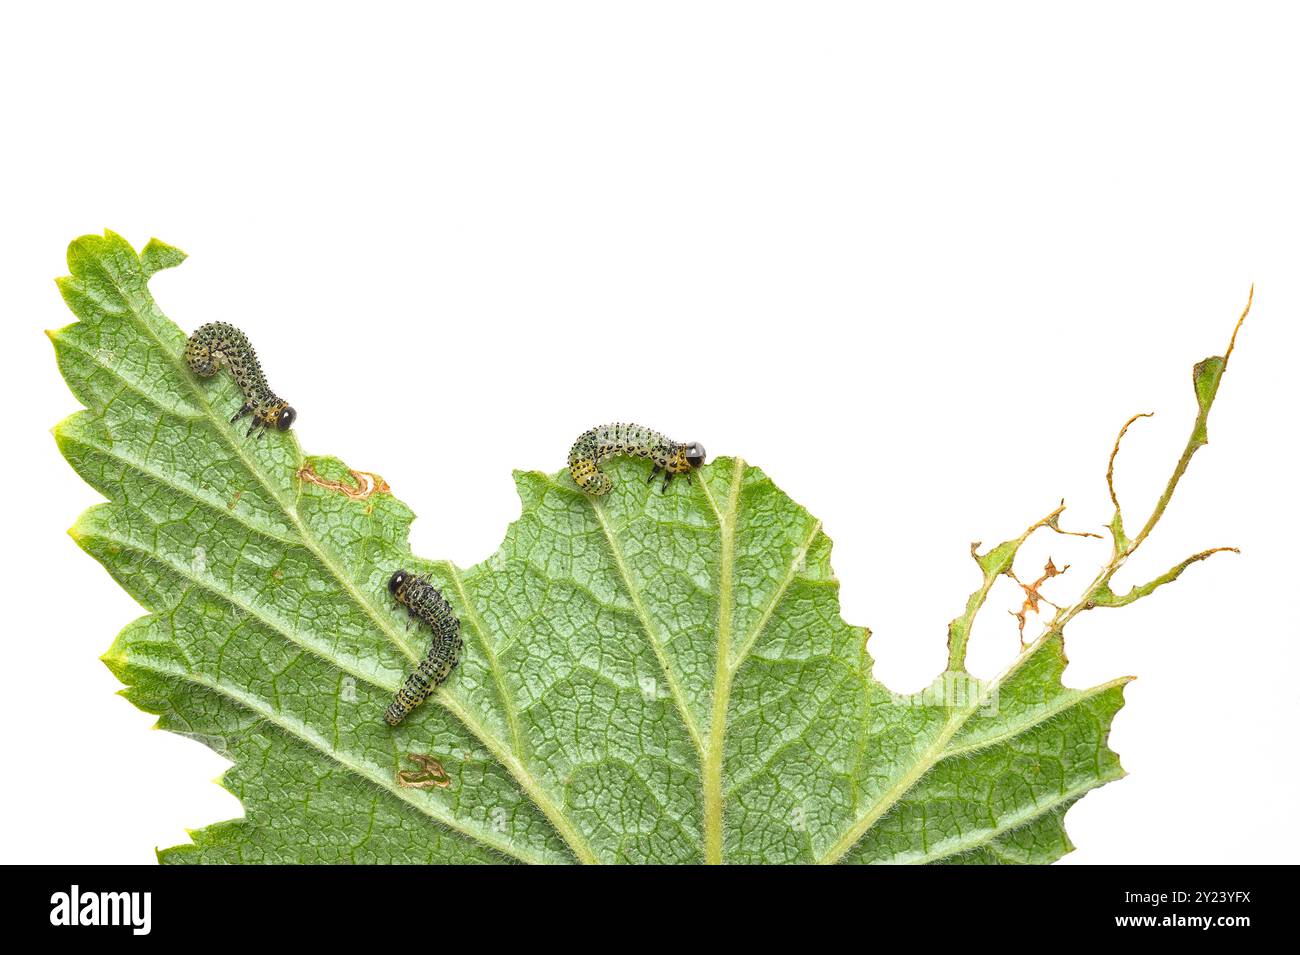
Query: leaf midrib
x,y
714,798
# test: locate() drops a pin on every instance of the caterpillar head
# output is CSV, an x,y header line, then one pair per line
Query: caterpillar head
x,y
694,453
397,582
276,414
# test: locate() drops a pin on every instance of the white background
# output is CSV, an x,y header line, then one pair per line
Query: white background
x,y
918,261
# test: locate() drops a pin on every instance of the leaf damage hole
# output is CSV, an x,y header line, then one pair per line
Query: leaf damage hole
x,y
365,483
430,775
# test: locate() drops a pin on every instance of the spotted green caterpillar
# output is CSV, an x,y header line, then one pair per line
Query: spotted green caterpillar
x,y
603,442
425,603
217,344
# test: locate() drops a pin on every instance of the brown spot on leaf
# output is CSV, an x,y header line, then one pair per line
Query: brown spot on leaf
x,y
430,775
365,483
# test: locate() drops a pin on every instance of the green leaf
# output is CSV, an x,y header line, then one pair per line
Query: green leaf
x,y
645,677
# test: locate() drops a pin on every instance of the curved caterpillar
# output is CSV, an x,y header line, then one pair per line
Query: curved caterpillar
x,y
425,603
605,441
217,344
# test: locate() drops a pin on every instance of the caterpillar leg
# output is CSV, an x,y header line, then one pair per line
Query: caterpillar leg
x,y
247,409
669,475
653,471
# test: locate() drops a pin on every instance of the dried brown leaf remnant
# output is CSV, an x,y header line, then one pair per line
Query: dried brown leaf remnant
x,y
1206,377
430,775
365,483
1032,595
993,563
999,560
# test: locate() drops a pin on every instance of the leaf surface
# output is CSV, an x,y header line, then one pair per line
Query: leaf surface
x,y
646,677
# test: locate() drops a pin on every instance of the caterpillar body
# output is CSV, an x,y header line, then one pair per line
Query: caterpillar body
x,y
425,603
607,440
217,345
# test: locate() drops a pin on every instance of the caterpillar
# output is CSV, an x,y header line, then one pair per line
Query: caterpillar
x,y
425,603
607,440
216,345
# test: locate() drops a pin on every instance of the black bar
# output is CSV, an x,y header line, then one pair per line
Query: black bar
x,y
441,905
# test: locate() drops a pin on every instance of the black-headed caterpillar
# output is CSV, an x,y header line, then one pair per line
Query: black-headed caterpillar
x,y
605,441
425,603
216,345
